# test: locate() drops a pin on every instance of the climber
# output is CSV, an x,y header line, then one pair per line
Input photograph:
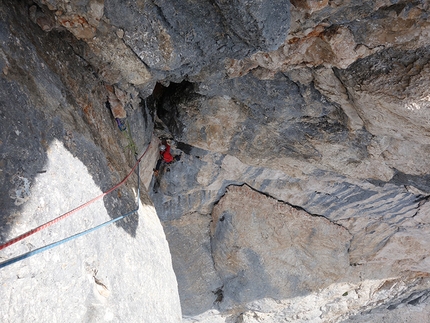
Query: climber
x,y
165,156
165,153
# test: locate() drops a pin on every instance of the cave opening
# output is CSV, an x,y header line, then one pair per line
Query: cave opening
x,y
166,100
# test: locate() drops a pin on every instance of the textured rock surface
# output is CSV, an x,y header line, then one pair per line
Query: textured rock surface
x,y
106,276
263,248
164,40
380,242
319,107
340,34
201,281
313,125
415,309
59,147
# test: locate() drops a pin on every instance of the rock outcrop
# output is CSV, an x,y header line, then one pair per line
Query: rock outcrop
x,y
108,275
302,191
60,147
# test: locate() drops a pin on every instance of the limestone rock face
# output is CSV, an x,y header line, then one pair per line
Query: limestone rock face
x,y
263,248
60,147
172,39
297,117
187,35
339,35
106,276
376,245
301,194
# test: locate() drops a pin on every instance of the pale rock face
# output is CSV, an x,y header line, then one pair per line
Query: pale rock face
x,y
60,147
397,94
263,248
311,115
105,276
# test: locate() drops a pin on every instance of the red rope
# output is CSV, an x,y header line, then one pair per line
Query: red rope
x,y
49,223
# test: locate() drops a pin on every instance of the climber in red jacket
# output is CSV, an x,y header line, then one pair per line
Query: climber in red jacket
x,y
165,156
165,153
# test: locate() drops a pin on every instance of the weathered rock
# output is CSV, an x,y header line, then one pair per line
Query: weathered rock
x,y
186,36
415,308
165,40
44,19
339,35
108,275
321,105
289,126
310,5
115,105
80,18
393,93
200,283
99,44
263,248
372,228
60,147
327,119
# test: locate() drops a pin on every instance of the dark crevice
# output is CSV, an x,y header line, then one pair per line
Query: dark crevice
x,y
422,182
167,99
168,96
219,294
414,299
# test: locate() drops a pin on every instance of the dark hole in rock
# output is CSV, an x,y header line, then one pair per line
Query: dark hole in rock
x,y
167,100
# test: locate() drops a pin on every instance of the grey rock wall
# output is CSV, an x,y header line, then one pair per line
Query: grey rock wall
x,y
318,140
378,219
319,107
60,147
181,38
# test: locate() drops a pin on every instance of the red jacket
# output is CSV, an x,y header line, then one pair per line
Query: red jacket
x,y
167,156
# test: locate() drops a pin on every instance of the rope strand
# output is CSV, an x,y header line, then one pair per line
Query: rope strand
x,y
80,234
63,216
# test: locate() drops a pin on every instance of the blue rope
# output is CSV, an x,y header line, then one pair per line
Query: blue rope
x,y
55,244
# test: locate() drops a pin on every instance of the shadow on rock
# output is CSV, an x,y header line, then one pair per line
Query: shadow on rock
x,y
41,100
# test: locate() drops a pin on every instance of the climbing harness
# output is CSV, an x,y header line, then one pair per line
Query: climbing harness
x,y
49,223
